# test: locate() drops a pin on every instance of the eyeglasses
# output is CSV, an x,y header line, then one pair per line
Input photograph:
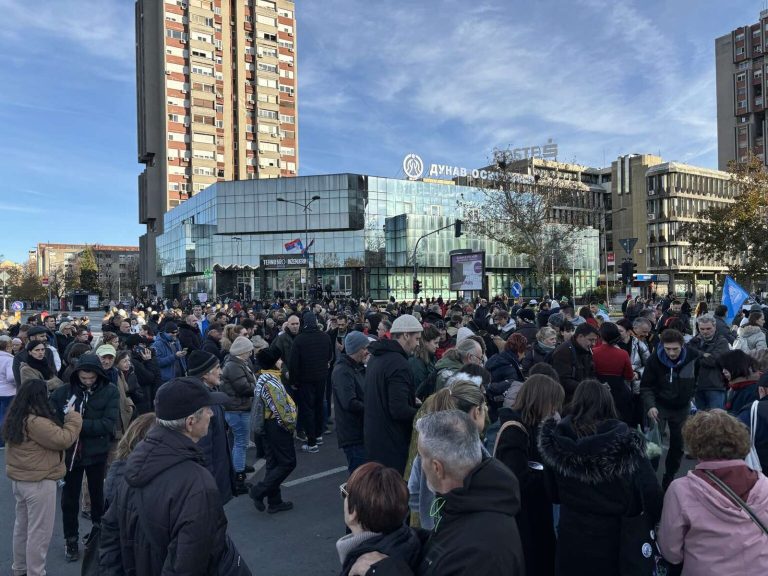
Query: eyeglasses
x,y
343,491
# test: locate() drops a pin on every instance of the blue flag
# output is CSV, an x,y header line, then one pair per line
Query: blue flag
x,y
733,297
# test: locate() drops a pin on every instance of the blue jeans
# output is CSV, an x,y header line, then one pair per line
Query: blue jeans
x,y
5,401
710,399
239,422
356,456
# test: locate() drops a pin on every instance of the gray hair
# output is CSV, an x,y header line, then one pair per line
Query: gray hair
x,y
467,347
545,333
451,437
180,424
706,319
640,321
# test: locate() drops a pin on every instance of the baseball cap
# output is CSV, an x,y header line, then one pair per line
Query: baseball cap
x,y
182,397
106,350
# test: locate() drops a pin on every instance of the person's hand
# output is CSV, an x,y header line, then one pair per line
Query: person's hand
x,y
653,414
364,563
146,354
181,353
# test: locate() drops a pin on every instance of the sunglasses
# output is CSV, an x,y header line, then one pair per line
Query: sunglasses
x,y
343,491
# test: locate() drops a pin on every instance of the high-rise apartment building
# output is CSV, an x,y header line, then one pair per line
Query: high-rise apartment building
x,y
217,100
741,70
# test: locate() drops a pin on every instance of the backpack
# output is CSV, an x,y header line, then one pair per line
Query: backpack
x,y
274,397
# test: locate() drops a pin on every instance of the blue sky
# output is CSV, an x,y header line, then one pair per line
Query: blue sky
x,y
447,79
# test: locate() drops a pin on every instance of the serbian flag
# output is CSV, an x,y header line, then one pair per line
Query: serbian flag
x,y
311,242
294,245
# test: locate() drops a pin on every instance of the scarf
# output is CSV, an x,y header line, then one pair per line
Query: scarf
x,y
41,366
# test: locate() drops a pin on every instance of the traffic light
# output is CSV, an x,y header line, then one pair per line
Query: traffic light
x,y
416,287
457,228
626,271
634,268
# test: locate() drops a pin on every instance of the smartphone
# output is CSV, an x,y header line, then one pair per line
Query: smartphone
x,y
70,401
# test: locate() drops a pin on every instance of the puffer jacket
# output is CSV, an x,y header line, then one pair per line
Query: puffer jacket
x,y
750,338
41,455
667,384
238,382
167,516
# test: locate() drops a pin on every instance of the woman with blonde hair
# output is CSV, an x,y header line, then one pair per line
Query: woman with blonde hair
x,y
462,395
231,332
720,500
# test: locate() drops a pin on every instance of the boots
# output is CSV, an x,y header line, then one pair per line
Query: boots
x,y
240,486
72,550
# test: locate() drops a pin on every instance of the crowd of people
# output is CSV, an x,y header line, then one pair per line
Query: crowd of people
x,y
494,436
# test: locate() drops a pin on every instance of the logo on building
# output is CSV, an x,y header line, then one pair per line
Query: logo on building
x,y
413,166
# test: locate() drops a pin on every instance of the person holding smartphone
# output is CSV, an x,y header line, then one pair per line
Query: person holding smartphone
x,y
171,359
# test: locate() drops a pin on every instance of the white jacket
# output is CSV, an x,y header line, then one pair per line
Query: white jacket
x,y
7,381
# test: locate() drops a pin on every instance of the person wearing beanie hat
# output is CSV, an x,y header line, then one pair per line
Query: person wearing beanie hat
x,y
238,382
170,357
98,402
171,491
347,380
390,395
215,445
311,355
527,325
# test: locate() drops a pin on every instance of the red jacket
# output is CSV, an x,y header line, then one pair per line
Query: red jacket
x,y
612,361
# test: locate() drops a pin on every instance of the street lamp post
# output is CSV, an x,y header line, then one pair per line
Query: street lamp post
x,y
239,241
306,208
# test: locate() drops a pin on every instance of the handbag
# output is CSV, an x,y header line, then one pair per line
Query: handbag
x,y
752,460
738,501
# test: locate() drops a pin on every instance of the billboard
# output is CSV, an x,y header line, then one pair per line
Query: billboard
x,y
467,271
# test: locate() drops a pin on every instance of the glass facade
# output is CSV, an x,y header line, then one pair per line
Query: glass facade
x,y
361,232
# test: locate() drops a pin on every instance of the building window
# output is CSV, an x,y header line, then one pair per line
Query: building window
x,y
271,114
741,77
287,119
739,51
267,67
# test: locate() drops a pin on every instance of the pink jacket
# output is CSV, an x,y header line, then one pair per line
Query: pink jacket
x,y
709,533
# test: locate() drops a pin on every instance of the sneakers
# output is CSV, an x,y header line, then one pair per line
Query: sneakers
x,y
282,507
319,440
310,449
258,499
240,486
72,550
300,436
249,469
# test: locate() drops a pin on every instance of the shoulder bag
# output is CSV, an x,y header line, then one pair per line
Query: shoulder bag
x,y
752,459
736,500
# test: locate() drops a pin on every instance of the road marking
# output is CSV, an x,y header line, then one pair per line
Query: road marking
x,y
317,476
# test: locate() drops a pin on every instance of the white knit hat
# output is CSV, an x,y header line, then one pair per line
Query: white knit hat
x,y
406,323
241,345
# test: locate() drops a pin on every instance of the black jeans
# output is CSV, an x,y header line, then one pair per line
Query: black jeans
x,y
674,418
281,461
70,496
311,395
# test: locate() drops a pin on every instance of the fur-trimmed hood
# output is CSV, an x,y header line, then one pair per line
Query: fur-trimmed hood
x,y
613,452
748,330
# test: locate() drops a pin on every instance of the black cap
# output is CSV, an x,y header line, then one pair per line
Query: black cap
x,y
170,327
35,330
200,362
182,397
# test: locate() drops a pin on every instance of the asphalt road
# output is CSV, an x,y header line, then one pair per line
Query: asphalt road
x,y
301,541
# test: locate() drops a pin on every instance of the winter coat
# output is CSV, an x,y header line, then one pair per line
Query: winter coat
x,y
23,356
311,353
421,370
99,407
28,373
598,479
476,532
390,405
724,330
761,435
706,531
147,375
217,453
667,384
115,475
516,448
505,366
527,329
446,367
750,338
238,382
167,516
638,356
403,544
573,364
348,379
165,355
280,349
741,393
213,347
7,381
127,407
534,355
41,455
189,337
710,372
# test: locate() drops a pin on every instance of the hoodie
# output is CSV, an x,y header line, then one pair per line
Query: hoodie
x,y
167,505
669,384
698,518
311,354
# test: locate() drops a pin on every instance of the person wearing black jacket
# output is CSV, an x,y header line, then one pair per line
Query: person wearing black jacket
x,y
348,379
573,360
145,367
667,388
311,355
390,395
527,324
167,516
98,402
477,500
189,334
212,342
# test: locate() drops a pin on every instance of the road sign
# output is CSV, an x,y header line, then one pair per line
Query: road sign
x,y
517,290
4,276
45,281
628,244
17,306
611,259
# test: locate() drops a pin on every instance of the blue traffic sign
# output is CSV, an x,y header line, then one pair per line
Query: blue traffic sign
x,y
17,306
517,290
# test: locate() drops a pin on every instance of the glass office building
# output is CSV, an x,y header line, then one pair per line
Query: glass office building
x,y
236,239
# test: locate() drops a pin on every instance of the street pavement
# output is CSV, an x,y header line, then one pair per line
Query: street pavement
x,y
301,541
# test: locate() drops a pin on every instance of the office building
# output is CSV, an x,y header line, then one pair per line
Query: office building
x,y
217,100
358,235
740,85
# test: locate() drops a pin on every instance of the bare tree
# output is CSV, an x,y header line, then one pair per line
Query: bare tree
x,y
540,217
